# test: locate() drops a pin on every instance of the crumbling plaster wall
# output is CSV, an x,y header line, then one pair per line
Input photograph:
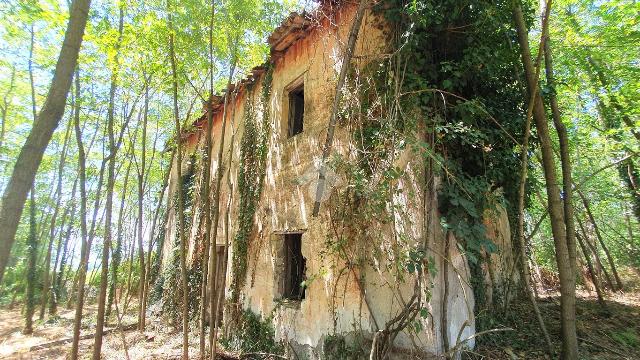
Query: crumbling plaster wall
x,y
333,303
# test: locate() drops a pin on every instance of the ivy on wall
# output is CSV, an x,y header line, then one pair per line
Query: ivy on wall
x,y
253,155
169,283
450,93
460,63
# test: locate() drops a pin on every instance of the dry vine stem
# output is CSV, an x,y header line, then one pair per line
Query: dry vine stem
x,y
346,60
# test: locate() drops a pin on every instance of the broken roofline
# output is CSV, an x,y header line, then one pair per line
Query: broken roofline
x,y
295,27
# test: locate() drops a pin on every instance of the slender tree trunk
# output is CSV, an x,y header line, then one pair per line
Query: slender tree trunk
x,y
596,229
117,251
524,264
113,150
32,251
30,156
129,273
32,242
565,156
596,281
52,230
85,247
62,245
156,214
180,214
206,195
213,226
521,200
556,211
141,173
596,255
58,283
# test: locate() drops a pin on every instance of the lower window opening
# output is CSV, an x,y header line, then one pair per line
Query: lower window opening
x,y
295,268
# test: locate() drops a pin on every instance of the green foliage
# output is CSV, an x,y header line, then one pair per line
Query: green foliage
x,y
627,337
336,347
465,86
253,335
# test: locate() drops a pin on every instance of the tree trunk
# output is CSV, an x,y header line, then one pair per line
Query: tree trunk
x,y
58,283
596,281
594,250
141,172
592,219
69,212
32,241
85,247
52,230
565,156
117,251
30,156
113,150
524,159
32,251
180,214
206,195
156,214
213,256
556,211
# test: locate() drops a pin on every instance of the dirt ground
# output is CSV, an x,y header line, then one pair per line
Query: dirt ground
x,y
158,342
603,334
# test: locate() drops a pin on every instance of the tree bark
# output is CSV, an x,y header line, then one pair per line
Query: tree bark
x,y
85,247
156,214
206,195
180,214
52,230
63,240
117,251
556,211
141,173
213,255
113,150
524,159
565,156
592,219
30,156
58,282
32,241
32,251
596,281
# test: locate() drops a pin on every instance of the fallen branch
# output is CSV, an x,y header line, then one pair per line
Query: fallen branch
x,y
83,337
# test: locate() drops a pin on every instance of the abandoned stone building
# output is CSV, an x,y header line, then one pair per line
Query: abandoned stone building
x,y
318,278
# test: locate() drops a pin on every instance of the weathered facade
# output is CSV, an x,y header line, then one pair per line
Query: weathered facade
x,y
287,244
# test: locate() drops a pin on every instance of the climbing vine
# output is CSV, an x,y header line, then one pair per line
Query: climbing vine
x,y
451,95
460,61
253,155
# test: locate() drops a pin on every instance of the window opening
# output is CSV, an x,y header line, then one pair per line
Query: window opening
x,y
295,267
296,111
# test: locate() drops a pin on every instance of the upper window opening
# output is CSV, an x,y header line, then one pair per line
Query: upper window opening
x,y
296,111
295,267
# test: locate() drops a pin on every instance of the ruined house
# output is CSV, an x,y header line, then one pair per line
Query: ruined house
x,y
352,271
